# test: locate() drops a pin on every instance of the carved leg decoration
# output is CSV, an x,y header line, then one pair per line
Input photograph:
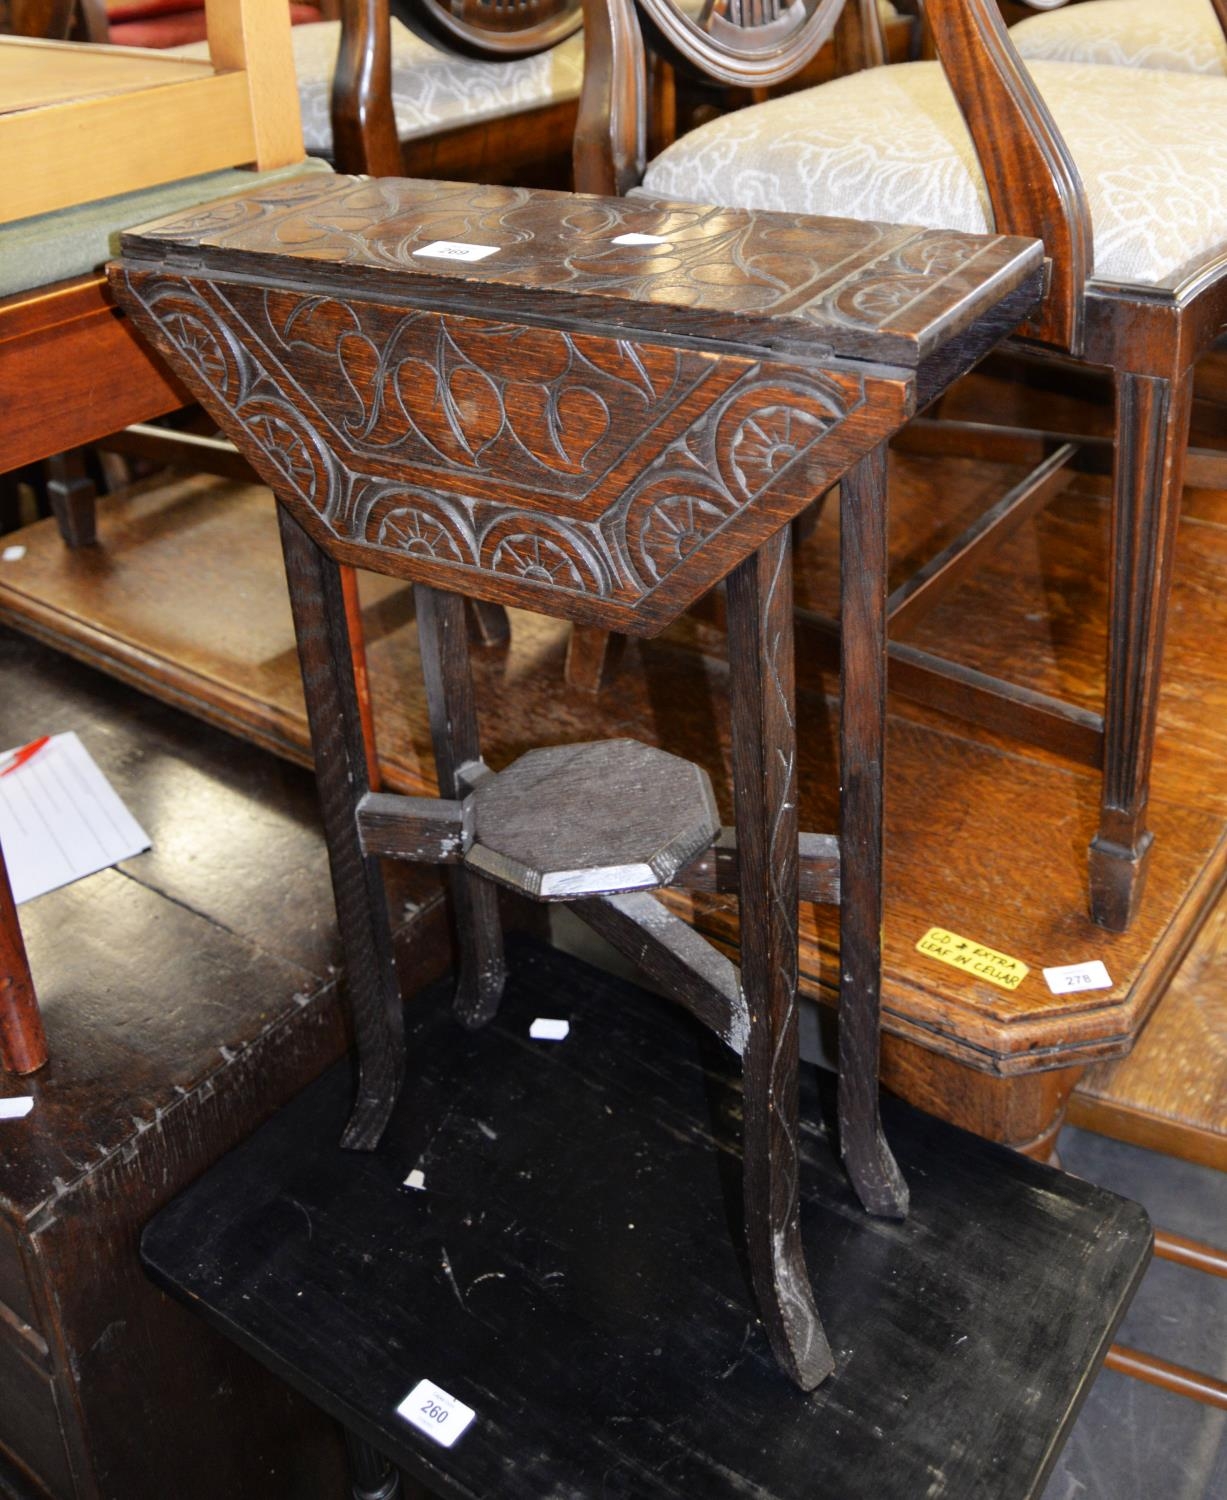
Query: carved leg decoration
x,y
862,760
443,642
765,790
371,1476
23,1043
74,500
1152,424
324,650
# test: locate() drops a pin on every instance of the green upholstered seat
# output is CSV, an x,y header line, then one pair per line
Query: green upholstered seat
x,y
52,247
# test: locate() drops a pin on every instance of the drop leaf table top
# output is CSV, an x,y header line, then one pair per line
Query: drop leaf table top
x,y
621,398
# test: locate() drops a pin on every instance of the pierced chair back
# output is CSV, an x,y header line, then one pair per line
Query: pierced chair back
x,y
364,129
503,28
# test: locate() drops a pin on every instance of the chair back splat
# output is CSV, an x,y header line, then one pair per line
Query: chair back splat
x,y
364,129
505,28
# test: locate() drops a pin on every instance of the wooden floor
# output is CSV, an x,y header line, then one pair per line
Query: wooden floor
x,y
183,596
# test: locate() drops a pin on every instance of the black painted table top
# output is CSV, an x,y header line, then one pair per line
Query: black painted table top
x,y
568,1271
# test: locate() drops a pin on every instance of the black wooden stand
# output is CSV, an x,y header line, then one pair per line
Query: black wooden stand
x,y
567,1270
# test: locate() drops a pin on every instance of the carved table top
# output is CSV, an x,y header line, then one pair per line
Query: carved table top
x,y
821,286
569,422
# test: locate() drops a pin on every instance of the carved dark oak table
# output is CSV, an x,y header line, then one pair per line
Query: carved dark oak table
x,y
597,409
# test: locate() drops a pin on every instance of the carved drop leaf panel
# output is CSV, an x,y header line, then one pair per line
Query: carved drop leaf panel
x,y
590,476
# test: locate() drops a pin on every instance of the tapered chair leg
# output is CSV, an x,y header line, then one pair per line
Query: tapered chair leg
x,y
443,643
862,758
765,790
1152,424
73,497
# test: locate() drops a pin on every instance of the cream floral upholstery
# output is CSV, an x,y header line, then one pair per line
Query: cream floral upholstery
x,y
432,90
1181,35
891,144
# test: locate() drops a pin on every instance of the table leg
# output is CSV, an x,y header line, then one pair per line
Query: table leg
x,y
362,681
371,1476
443,643
23,1044
762,692
862,764
340,751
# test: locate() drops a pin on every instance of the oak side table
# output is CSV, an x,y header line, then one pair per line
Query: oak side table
x,y
597,409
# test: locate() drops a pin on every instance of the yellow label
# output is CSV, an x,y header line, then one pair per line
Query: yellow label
x,y
973,958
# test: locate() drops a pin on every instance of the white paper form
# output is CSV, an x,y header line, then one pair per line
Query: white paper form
x,y
60,819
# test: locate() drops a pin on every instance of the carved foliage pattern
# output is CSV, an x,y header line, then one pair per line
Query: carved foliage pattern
x,y
565,462
407,388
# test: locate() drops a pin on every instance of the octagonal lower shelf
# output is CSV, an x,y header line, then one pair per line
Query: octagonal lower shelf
x,y
572,821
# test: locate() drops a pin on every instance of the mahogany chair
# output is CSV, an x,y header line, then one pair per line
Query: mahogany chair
x,y
1180,36
1177,36
1081,156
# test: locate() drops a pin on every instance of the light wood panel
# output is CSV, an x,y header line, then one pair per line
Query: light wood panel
x,y
73,153
255,40
34,72
82,122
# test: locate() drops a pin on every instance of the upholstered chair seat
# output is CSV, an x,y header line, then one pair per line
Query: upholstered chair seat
x,y
1183,36
890,144
433,89
53,247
